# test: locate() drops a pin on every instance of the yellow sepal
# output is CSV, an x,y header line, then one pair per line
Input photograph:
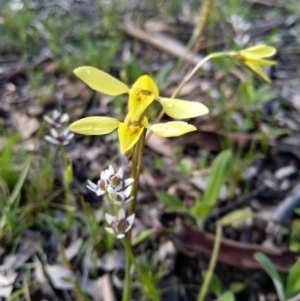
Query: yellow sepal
x,y
181,109
258,52
101,81
253,59
172,128
94,125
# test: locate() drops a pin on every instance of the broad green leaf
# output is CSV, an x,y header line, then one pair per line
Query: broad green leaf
x,y
271,271
236,216
101,81
172,128
170,201
218,174
227,296
182,109
293,280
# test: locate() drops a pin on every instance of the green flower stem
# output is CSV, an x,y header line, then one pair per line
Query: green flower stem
x,y
150,290
136,170
212,264
67,180
137,157
197,67
204,16
189,76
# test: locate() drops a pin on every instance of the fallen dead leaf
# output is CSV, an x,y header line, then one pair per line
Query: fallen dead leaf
x,y
26,125
160,145
198,242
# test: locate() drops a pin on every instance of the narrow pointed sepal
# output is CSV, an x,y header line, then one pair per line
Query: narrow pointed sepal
x,y
181,109
172,128
94,125
101,81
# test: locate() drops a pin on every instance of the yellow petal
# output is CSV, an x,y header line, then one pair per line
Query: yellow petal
x,y
94,125
258,52
101,81
172,128
261,62
258,71
129,136
141,95
177,108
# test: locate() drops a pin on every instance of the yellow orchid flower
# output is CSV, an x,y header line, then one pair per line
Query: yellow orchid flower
x,y
253,58
143,92
129,132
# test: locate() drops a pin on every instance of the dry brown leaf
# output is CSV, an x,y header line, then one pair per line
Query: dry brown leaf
x,y
26,125
163,42
198,242
160,145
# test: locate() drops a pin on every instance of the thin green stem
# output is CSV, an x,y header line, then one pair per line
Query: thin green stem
x,y
212,264
188,77
136,170
67,178
137,157
196,68
150,290
198,30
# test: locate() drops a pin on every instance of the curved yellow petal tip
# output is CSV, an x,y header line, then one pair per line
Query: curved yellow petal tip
x,y
182,109
258,51
172,128
146,83
94,125
101,81
128,136
254,59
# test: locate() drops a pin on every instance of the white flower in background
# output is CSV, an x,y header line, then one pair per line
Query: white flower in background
x,y
120,225
99,188
116,180
57,119
120,197
63,137
240,26
118,188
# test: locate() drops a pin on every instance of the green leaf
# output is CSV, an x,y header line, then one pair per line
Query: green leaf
x,y
215,284
218,174
170,201
271,271
201,210
293,280
227,296
236,216
237,287
294,244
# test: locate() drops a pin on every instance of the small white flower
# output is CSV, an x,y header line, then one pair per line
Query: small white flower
x,y
120,197
120,225
59,138
118,189
99,188
57,119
